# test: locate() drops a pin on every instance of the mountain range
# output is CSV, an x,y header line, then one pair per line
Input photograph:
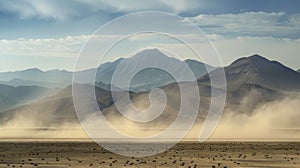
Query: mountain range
x,y
251,81
145,80
37,77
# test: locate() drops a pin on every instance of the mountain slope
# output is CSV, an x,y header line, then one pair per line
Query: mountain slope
x,y
54,110
261,71
14,96
21,82
58,109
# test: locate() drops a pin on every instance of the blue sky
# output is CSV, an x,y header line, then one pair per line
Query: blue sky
x,y
48,34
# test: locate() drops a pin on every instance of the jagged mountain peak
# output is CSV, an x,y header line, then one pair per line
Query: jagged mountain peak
x,y
251,60
151,54
259,70
32,70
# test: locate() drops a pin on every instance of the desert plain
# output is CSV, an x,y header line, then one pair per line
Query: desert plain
x,y
185,154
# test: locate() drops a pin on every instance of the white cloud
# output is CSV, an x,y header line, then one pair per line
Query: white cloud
x,y
249,23
50,47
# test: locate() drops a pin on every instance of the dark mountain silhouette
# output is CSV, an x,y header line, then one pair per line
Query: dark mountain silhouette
x,y
261,71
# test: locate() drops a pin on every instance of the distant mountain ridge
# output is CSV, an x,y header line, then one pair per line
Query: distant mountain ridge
x,y
143,81
21,82
35,74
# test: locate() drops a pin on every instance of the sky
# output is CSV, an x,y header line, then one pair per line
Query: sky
x,y
48,34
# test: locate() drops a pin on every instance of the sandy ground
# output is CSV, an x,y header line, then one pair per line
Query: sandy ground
x,y
210,154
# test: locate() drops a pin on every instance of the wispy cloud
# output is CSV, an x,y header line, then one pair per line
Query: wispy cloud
x,y
50,47
62,10
61,47
250,24
59,10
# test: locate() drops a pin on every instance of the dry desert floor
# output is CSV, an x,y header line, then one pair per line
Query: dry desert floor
x,y
209,154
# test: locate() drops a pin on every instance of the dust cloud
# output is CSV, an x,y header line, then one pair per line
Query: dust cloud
x,y
275,120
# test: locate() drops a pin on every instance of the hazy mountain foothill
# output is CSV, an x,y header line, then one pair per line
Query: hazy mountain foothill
x,y
11,96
